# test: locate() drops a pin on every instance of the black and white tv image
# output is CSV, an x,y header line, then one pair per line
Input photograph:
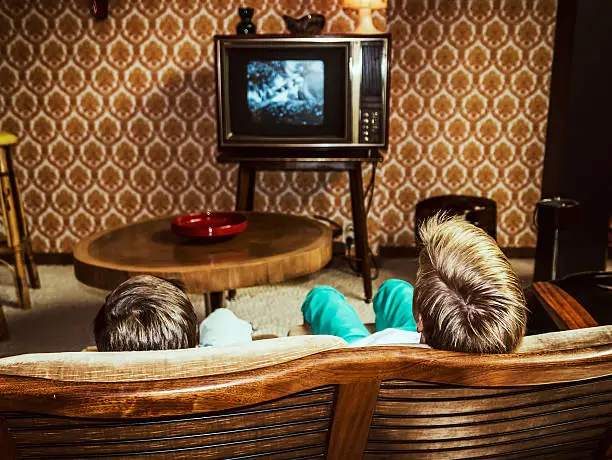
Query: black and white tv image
x,y
287,92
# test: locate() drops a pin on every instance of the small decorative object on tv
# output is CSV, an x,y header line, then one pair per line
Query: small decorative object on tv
x,y
209,225
365,7
99,9
311,24
302,92
245,26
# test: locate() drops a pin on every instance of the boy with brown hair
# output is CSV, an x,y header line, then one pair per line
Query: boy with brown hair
x,y
150,313
467,297
146,313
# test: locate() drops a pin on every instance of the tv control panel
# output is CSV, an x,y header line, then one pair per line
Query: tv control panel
x,y
370,127
372,116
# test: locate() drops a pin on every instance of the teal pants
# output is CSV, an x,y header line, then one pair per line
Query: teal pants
x,y
328,312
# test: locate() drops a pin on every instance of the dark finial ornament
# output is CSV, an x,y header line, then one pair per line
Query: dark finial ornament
x,y
99,9
245,26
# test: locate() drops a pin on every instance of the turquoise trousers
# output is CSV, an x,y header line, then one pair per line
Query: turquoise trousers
x,y
328,312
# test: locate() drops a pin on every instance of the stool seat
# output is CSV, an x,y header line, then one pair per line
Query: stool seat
x,y
7,138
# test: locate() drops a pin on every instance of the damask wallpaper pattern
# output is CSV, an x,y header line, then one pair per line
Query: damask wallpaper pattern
x,y
117,118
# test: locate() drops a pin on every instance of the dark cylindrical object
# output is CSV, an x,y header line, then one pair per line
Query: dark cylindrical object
x,y
554,216
99,8
480,211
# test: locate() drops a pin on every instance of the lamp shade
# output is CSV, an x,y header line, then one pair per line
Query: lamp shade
x,y
358,4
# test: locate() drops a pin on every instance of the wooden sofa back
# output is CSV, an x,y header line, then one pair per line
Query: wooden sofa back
x,y
381,402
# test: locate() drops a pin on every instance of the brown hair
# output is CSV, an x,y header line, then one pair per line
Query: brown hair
x,y
146,313
468,295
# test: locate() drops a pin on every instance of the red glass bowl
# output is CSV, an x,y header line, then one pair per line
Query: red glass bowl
x,y
209,224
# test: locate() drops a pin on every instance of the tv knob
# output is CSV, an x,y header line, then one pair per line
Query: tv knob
x,y
366,138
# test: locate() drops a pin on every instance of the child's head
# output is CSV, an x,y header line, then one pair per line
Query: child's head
x,y
146,313
467,295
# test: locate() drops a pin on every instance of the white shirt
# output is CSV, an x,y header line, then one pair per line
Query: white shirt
x,y
222,327
389,336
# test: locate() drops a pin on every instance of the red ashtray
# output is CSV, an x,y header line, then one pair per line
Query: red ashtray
x,y
209,224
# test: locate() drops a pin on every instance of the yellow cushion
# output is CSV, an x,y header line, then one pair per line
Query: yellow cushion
x,y
130,366
7,138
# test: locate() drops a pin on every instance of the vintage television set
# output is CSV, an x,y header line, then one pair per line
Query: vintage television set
x,y
300,93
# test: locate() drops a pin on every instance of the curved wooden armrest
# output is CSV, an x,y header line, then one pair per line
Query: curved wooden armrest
x,y
565,311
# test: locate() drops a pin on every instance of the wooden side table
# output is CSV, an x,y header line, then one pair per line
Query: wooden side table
x,y
351,163
17,237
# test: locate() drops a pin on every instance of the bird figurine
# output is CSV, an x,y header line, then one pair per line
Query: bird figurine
x,y
311,24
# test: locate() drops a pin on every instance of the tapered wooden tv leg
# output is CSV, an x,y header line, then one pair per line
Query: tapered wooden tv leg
x,y
245,198
361,232
245,192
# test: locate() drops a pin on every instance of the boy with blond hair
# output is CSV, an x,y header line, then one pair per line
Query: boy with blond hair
x,y
466,297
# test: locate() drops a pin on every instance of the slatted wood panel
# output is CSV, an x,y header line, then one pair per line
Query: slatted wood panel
x,y
431,421
289,428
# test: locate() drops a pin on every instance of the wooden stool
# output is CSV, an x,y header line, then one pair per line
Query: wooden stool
x,y
17,237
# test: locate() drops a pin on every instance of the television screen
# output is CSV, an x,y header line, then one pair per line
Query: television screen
x,y
288,92
283,93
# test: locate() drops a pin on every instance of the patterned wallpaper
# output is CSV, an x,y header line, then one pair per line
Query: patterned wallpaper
x,y
117,118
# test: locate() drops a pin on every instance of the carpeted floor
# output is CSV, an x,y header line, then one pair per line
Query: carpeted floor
x,y
63,309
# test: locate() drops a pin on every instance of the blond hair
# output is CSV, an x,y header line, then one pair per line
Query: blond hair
x,y
468,295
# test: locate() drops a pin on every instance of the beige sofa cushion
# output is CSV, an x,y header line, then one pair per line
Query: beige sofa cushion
x,y
210,361
566,340
168,364
551,341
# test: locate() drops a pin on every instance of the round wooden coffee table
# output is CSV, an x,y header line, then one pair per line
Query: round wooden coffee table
x,y
273,248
